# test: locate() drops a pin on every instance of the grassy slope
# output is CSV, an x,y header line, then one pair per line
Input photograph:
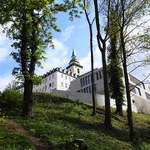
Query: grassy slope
x,y
10,140
64,122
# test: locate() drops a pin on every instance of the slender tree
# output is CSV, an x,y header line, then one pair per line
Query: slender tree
x,y
101,40
128,12
114,57
90,24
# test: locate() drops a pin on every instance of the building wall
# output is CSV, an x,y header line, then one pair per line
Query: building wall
x,y
67,84
83,83
63,81
139,89
142,105
139,95
57,80
47,84
87,98
74,69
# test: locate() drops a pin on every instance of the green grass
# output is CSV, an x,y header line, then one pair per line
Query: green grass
x,y
10,140
59,123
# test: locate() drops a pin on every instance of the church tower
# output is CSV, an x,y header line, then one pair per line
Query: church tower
x,y
74,65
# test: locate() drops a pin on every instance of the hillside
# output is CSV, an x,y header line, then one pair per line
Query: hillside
x,y
59,121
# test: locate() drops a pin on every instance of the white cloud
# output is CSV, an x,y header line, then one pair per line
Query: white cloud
x,y
3,53
3,36
4,80
86,61
139,26
57,57
66,34
60,56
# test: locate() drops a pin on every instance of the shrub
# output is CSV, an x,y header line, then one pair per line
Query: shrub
x,y
11,102
46,97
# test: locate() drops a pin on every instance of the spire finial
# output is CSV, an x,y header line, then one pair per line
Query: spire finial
x,y
73,53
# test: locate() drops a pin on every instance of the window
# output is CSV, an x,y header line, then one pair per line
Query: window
x,y
78,70
87,90
50,85
134,91
66,77
81,83
62,84
52,76
90,89
49,77
88,79
84,90
61,75
100,75
66,85
139,91
147,95
143,85
97,76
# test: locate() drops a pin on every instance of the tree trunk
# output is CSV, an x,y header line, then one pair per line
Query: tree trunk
x,y
24,66
27,105
92,71
28,80
119,110
106,92
102,48
129,110
92,60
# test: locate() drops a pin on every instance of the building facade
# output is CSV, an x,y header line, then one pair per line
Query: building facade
x,y
73,84
60,79
140,92
56,79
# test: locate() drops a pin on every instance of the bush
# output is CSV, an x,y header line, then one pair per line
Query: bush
x,y
46,97
11,102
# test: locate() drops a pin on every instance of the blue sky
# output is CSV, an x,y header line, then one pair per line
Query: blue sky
x,y
74,35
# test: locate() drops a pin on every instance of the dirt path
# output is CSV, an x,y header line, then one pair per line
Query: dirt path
x,y
36,141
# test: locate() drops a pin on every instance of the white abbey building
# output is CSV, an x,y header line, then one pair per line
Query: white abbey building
x,y
72,83
60,79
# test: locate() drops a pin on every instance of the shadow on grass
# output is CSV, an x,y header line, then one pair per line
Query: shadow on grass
x,y
143,133
98,127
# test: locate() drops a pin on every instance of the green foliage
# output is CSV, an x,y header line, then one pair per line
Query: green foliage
x,y
60,123
46,97
31,24
11,102
114,58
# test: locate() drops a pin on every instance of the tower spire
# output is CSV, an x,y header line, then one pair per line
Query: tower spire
x,y
74,65
73,56
73,53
